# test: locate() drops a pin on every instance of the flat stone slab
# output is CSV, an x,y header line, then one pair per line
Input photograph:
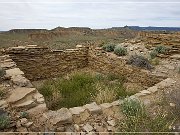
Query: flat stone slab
x,y
175,56
61,116
87,128
39,109
76,110
93,108
105,105
14,72
145,92
153,89
8,64
27,104
20,80
20,93
165,83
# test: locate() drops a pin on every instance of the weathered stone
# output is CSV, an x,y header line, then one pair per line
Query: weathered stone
x,y
40,109
60,129
21,81
8,65
3,102
165,83
14,72
175,56
153,89
79,114
87,128
22,92
107,109
117,103
23,121
28,124
76,127
76,110
111,123
39,98
99,128
27,104
139,94
93,108
22,129
110,128
145,92
61,116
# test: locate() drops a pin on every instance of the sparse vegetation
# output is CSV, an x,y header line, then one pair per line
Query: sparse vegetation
x,y
109,47
155,61
4,121
2,73
160,49
24,114
80,88
153,54
137,118
120,51
139,61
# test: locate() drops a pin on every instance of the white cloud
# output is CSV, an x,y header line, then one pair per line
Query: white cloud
x,y
108,13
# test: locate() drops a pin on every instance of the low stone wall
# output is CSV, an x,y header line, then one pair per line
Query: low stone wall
x,y
101,62
84,119
41,62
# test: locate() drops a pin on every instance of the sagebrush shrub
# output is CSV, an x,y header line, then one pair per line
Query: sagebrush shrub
x,y
139,61
109,47
153,54
4,121
133,107
160,49
120,51
2,72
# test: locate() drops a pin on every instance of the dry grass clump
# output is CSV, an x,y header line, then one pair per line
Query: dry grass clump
x,y
79,88
104,94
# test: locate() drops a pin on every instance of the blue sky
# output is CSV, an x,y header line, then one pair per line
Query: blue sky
x,y
88,13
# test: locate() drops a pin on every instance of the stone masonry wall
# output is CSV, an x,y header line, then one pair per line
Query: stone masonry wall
x,y
101,62
41,62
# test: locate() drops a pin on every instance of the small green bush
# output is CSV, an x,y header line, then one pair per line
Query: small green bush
x,y
24,114
160,49
109,47
153,54
4,121
133,107
120,51
139,61
2,72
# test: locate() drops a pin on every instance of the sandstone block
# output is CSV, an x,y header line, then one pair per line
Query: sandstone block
x,y
93,108
20,93
13,72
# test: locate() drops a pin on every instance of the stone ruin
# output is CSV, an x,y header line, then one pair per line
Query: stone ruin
x,y
29,63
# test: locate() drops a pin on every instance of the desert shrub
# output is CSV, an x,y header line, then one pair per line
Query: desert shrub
x,y
139,61
154,61
2,92
2,73
133,107
153,54
109,47
4,121
160,49
24,114
137,118
120,51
